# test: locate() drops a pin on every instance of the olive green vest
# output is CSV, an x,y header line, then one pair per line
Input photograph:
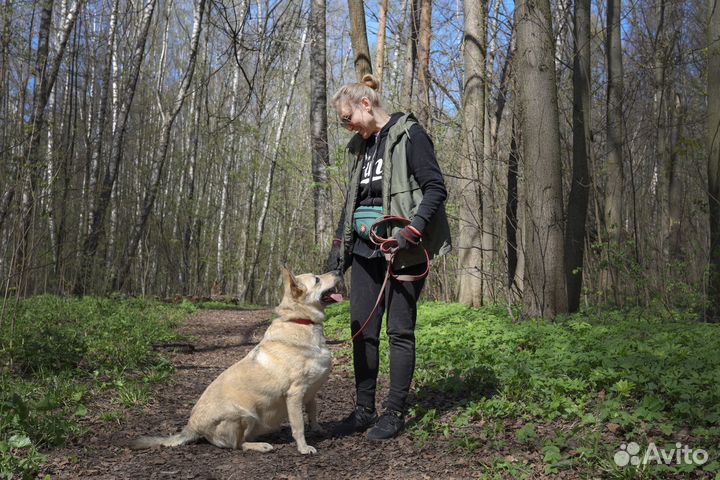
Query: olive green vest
x,y
401,196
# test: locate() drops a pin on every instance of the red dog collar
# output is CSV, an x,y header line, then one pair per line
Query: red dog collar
x,y
302,321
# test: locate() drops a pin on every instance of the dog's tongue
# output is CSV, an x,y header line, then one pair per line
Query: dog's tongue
x,y
337,297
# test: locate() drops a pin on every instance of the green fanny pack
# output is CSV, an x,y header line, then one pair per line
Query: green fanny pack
x,y
363,219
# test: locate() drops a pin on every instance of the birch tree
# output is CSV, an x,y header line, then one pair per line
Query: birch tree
x,y
380,54
189,229
281,121
43,82
319,122
400,40
166,129
227,168
92,240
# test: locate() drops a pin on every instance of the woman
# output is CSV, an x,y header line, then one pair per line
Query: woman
x,y
393,171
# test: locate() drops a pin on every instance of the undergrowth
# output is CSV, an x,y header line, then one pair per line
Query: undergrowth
x,y
570,393
56,353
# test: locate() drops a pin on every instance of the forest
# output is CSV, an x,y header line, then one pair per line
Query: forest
x,y
161,161
174,148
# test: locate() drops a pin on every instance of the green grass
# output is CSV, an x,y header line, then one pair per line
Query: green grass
x,y
571,390
56,353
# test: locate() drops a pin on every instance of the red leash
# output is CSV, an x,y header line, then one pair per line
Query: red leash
x,y
389,247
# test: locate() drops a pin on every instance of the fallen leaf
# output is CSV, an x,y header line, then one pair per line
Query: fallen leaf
x,y
613,427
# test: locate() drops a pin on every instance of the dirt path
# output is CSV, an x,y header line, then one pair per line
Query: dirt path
x,y
223,337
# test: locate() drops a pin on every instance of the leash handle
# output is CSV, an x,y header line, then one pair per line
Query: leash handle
x,y
381,241
389,247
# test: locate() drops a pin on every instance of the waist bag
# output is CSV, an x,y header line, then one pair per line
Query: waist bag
x,y
364,217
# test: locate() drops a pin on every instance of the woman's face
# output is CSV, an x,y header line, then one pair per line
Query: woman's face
x,y
357,118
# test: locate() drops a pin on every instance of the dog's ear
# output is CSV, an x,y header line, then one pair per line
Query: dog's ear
x,y
292,287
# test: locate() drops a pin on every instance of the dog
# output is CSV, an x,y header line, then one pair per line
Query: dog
x,y
274,381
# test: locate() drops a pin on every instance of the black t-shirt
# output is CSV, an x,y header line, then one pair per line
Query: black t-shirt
x,y
370,190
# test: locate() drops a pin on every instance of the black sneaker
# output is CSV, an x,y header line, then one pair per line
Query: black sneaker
x,y
359,420
388,426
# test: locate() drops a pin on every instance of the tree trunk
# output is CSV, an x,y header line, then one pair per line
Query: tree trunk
x,y
358,37
544,294
423,52
521,211
6,15
67,144
580,184
674,186
47,196
380,55
613,213
400,40
511,216
90,245
230,166
406,94
713,151
470,256
189,196
227,168
157,174
562,30
102,117
114,81
662,127
494,244
319,124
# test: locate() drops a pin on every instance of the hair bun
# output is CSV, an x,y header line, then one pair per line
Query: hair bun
x,y
370,81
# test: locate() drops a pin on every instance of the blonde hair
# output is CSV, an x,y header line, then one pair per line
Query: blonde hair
x,y
354,92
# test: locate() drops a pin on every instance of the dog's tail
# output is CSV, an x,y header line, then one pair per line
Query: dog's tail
x,y
182,438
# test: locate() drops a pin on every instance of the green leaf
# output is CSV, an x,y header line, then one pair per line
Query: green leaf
x,y
46,404
666,429
19,441
81,411
526,433
552,454
588,418
19,406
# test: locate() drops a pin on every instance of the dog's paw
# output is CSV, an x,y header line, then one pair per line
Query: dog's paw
x,y
257,447
307,449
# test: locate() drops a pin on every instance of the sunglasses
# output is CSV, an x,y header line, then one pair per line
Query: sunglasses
x,y
346,119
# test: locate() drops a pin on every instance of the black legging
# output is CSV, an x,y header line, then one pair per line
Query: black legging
x,y
400,302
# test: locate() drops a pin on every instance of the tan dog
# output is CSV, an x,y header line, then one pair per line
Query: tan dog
x,y
274,380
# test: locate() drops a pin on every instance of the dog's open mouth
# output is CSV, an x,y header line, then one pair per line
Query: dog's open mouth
x,y
331,296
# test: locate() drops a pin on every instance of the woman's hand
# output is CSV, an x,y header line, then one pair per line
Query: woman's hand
x,y
335,257
408,237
